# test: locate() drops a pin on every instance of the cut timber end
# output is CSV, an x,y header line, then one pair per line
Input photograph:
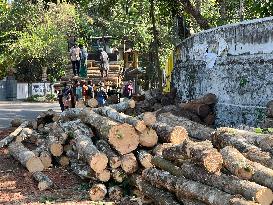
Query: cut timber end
x,y
132,104
97,192
148,138
46,159
140,126
98,162
34,164
104,175
56,149
129,163
123,138
264,197
114,162
64,161
212,161
149,118
178,135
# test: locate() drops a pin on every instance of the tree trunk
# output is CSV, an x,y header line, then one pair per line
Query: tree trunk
x,y
144,158
115,193
114,159
129,163
251,152
7,140
44,182
201,152
170,134
159,196
97,192
123,106
190,189
122,137
197,108
226,183
26,157
148,138
121,117
195,130
118,175
238,165
92,103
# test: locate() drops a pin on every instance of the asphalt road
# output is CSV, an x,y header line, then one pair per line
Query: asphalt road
x,y
15,109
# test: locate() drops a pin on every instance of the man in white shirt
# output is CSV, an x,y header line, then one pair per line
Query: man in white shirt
x,y
75,59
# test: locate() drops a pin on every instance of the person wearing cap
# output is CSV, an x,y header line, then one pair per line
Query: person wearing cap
x,y
104,62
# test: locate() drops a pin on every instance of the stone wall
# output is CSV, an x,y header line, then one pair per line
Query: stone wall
x,y
235,62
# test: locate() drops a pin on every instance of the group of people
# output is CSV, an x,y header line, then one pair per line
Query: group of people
x,y
79,55
69,96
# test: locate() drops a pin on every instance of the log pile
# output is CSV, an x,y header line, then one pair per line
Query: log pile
x,y
159,157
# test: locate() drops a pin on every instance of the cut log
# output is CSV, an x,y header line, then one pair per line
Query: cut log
x,y
187,201
46,117
149,118
55,147
207,99
118,175
115,193
169,134
122,106
7,140
226,183
251,152
121,117
195,130
191,189
129,163
144,158
202,110
157,151
210,119
84,171
24,134
148,138
70,114
44,182
122,137
97,192
263,141
46,159
26,157
63,160
269,111
114,159
238,165
200,152
157,195
92,103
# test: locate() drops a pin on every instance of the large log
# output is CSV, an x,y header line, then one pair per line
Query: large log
x,y
121,117
7,140
197,108
195,130
238,165
263,141
114,159
26,157
200,152
158,149
24,135
251,152
129,163
226,183
44,182
122,137
207,99
148,138
123,106
159,196
97,192
170,134
191,189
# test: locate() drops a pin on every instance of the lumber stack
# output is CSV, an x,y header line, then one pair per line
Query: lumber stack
x,y
160,157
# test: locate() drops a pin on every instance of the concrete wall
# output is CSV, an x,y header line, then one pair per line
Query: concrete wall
x,y
236,63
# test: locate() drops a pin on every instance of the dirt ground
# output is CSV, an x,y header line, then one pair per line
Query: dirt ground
x,y
18,187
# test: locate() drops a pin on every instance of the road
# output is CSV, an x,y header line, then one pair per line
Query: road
x,y
16,109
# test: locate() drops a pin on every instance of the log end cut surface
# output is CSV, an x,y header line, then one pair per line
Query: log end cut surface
x,y
124,138
213,161
98,162
178,135
264,196
148,138
34,165
56,149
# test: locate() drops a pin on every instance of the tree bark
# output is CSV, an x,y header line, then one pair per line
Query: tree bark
x,y
191,189
7,140
26,157
70,114
170,134
195,130
44,182
114,159
144,158
238,165
208,99
197,108
122,137
97,192
123,106
24,134
226,183
251,152
115,193
201,152
121,117
148,138
129,163
46,117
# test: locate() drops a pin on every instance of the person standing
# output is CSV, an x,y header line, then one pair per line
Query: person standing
x,y
83,61
104,63
101,94
128,90
75,59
